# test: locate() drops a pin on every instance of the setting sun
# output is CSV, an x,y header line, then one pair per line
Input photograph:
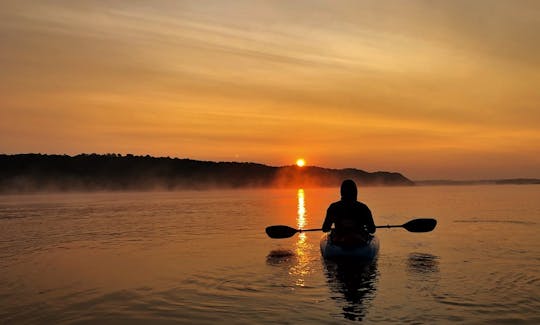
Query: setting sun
x,y
300,162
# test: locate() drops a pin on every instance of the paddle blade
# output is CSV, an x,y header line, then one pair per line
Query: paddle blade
x,y
280,231
420,225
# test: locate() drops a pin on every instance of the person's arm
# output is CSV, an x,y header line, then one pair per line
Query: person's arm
x,y
328,220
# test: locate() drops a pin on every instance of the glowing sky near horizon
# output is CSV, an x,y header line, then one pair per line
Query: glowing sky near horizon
x,y
431,89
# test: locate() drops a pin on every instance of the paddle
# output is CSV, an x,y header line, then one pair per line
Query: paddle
x,y
415,225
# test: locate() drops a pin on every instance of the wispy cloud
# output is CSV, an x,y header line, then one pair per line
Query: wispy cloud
x,y
271,76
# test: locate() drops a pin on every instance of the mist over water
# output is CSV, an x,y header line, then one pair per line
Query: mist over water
x,y
203,257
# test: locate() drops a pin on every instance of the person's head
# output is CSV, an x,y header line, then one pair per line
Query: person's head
x,y
349,192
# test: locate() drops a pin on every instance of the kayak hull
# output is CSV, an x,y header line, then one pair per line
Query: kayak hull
x,y
366,252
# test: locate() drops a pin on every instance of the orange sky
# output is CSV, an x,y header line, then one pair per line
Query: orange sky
x,y
432,89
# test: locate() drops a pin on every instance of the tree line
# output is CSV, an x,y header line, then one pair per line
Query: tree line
x,y
95,172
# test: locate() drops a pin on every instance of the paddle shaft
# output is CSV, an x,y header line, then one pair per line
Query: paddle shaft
x,y
390,226
320,229
304,230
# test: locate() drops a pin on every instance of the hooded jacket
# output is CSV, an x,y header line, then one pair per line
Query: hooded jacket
x,y
348,215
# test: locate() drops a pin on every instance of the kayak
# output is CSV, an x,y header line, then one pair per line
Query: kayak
x,y
367,251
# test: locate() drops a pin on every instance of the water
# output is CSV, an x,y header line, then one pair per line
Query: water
x,y
203,258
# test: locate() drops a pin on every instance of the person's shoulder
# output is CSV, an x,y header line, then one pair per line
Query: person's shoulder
x,y
362,205
334,205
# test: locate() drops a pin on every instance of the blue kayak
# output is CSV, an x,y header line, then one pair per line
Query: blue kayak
x,y
367,251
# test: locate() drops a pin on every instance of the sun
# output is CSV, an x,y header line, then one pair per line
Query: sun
x,y
300,162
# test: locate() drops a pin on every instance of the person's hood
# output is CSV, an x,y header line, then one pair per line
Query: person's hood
x,y
349,191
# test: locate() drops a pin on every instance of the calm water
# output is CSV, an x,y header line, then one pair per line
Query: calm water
x,y
203,257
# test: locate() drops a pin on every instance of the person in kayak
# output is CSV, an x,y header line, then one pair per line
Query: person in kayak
x,y
352,220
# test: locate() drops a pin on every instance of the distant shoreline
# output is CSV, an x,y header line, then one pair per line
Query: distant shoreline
x,y
506,181
35,173
30,173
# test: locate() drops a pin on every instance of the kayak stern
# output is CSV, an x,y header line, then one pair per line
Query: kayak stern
x,y
366,252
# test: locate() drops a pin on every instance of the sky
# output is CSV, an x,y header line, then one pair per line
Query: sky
x,y
430,89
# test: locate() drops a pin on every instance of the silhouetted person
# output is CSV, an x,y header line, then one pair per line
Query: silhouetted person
x,y
352,220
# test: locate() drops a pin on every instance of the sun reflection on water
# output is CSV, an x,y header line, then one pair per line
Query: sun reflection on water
x,y
302,267
301,212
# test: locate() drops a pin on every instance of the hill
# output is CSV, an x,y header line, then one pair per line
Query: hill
x,y
37,172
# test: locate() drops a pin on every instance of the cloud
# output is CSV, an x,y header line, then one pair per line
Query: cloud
x,y
323,75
